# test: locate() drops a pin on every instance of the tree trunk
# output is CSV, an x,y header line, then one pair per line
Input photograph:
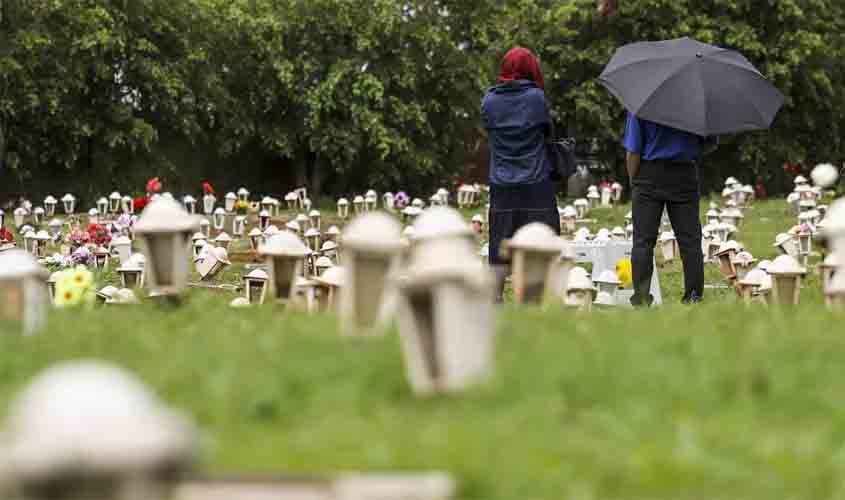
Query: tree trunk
x,y
317,179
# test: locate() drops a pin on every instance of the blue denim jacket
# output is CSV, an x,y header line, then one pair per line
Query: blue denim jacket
x,y
516,118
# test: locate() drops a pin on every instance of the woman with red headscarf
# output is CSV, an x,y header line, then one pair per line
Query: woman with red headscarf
x,y
516,118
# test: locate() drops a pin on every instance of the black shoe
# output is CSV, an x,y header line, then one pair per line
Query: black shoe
x,y
693,298
638,300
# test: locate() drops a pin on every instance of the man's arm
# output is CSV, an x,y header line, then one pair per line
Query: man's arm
x,y
632,164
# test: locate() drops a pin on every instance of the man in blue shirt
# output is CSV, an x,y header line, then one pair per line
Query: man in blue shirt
x,y
662,166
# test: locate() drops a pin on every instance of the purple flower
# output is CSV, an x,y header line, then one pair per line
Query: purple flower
x,y
82,255
401,200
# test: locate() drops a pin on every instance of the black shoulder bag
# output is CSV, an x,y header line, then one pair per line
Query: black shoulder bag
x,y
561,153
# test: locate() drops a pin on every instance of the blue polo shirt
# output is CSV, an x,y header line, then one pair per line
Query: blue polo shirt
x,y
653,141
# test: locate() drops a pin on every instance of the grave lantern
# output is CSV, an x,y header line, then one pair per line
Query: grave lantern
x,y
743,263
806,205
568,218
667,242
303,221
606,196
51,286
371,245
122,245
359,205
321,264
284,253
315,219
604,300
465,193
410,214
435,201
616,188
749,285
37,215
800,180
593,199
164,231
580,292
255,236
267,204
292,200
343,208
713,217
198,240
581,208
29,243
239,226
208,201
805,192
728,193
190,204
629,217
731,182
534,252
443,194
101,258
132,272
608,282
93,216
726,254
205,227
293,227
629,232
722,231
388,201
446,326
105,294
255,284
50,205
786,244
805,243
229,202
617,234
42,237
418,203
223,240
603,234
213,262
274,207
327,287
370,202
582,234
270,231
329,250
62,442
815,216
219,219
19,215
127,205
835,292
114,202
312,238
243,194
103,206
69,203
786,275
55,227
23,291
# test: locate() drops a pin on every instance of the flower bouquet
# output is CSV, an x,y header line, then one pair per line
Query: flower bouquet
x,y
98,235
401,200
77,237
241,207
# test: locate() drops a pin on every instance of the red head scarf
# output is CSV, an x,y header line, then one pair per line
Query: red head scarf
x,y
521,64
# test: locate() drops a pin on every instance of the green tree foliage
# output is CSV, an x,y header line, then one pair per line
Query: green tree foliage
x,y
344,94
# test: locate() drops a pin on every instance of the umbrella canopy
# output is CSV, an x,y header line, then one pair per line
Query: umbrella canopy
x,y
692,86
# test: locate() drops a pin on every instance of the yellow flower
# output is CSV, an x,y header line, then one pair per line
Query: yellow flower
x,y
82,277
68,295
624,272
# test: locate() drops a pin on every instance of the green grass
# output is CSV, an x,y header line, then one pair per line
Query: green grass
x,y
714,401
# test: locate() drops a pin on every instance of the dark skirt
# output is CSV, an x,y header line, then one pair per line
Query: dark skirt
x,y
512,207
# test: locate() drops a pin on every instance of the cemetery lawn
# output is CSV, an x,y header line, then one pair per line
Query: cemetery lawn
x,y
711,401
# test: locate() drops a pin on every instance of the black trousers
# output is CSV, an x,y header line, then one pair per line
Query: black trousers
x,y
675,187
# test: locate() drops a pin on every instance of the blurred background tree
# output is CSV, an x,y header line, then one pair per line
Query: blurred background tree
x,y
342,95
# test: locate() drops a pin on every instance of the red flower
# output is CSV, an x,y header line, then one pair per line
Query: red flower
x,y
154,185
139,203
98,234
6,236
207,188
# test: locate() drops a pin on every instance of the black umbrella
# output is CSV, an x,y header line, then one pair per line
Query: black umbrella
x,y
692,86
